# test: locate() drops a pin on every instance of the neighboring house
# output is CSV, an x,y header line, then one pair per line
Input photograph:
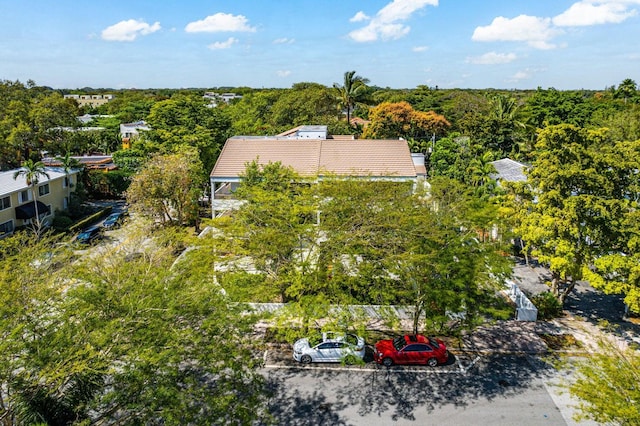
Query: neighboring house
x,y
89,162
130,131
214,98
17,207
84,119
93,101
509,170
314,154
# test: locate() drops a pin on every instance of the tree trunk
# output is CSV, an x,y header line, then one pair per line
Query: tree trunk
x,y
37,227
565,293
416,317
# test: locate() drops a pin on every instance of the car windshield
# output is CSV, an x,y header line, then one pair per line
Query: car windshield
x,y
112,218
399,343
434,343
84,235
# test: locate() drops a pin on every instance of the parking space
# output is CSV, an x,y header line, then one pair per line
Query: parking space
x,y
281,357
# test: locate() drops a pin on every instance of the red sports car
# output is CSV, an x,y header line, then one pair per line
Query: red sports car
x,y
411,349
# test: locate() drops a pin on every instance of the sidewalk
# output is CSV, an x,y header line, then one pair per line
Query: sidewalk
x,y
521,337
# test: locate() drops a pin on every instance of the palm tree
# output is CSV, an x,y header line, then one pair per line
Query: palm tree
x,y
32,172
353,92
480,170
627,89
68,163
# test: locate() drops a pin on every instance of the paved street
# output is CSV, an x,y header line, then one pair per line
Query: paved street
x,y
496,390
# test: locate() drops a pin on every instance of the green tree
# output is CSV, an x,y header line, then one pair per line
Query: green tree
x,y
578,198
389,246
276,224
352,92
451,156
552,107
32,173
131,339
251,115
627,90
617,271
53,111
184,120
623,125
479,172
305,103
168,187
607,385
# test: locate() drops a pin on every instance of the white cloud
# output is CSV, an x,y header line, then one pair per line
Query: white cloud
x,y
537,32
521,75
594,12
220,22
223,44
420,48
284,40
525,74
492,58
359,17
283,73
129,30
387,24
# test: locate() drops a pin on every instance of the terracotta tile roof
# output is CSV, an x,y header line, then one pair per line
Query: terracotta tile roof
x,y
103,162
378,158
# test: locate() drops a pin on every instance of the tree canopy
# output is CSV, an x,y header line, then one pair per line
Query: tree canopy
x,y
123,337
393,120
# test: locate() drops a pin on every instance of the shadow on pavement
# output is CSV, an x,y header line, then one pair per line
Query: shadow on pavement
x,y
394,394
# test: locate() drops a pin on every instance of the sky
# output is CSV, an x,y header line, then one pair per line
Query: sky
x,y
506,44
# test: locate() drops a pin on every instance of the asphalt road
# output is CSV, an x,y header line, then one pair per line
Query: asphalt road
x,y
491,390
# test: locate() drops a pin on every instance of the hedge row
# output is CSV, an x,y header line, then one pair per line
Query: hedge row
x,y
90,219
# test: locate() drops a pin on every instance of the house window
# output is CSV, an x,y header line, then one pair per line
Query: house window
x,y
66,182
25,196
65,203
5,203
43,189
6,228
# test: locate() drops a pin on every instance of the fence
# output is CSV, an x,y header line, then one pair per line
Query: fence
x,y
526,310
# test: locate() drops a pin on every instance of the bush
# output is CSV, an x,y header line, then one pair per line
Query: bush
x,y
548,306
61,222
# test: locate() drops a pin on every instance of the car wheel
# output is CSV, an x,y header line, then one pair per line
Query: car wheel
x,y
432,362
387,362
306,359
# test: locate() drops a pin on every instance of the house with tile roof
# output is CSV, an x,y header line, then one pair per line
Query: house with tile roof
x,y
313,154
88,162
17,204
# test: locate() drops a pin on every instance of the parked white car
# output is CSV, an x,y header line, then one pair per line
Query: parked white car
x,y
333,347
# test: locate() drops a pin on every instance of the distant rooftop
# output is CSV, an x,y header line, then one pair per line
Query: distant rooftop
x,y
509,170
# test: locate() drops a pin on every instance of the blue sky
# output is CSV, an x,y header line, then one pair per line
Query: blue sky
x,y
566,44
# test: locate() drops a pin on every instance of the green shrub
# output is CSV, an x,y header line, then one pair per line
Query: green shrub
x,y
548,306
61,222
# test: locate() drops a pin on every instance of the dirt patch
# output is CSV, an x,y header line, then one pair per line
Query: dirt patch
x,y
560,342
